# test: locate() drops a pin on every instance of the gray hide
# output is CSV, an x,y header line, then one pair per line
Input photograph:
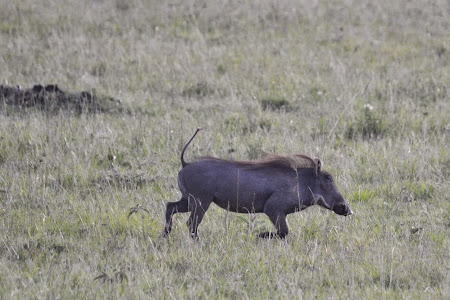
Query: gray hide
x,y
276,186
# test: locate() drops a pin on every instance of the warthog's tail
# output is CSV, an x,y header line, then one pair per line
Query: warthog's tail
x,y
183,163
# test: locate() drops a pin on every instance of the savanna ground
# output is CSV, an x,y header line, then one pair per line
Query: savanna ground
x,y
363,85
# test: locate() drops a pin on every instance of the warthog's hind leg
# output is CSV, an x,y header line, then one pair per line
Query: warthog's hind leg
x,y
171,209
198,209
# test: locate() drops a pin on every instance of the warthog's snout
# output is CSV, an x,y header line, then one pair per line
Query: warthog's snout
x,y
350,212
342,209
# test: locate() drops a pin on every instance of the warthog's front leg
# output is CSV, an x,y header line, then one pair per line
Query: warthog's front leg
x,y
268,235
278,218
282,228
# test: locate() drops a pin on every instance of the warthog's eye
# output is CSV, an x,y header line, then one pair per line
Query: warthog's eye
x,y
328,178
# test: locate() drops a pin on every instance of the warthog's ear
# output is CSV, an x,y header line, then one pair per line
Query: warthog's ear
x,y
318,165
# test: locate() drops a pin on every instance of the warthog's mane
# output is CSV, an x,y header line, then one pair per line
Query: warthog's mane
x,y
297,161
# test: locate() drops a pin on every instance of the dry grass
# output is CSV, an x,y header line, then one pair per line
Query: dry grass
x,y
68,182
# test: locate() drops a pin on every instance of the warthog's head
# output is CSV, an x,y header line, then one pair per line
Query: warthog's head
x,y
326,194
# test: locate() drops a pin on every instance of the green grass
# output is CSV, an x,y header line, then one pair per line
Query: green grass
x,y
362,86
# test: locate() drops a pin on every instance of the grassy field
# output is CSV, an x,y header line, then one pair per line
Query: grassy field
x,y
362,85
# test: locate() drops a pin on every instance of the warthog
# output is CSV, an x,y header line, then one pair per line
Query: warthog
x,y
275,185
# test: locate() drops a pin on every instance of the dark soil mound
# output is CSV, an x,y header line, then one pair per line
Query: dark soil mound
x,y
51,98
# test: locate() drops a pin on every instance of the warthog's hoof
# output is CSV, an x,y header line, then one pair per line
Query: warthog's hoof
x,y
194,236
268,235
164,233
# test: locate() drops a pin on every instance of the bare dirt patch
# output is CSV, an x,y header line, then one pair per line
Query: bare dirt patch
x,y
52,99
